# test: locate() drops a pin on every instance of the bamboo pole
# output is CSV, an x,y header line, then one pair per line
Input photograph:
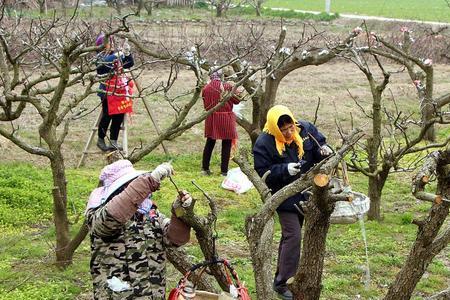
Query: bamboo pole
x,y
158,131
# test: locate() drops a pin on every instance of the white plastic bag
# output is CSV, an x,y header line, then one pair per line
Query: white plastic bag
x,y
237,109
346,212
236,181
118,285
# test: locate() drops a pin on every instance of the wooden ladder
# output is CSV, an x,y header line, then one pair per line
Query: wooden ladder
x,y
93,133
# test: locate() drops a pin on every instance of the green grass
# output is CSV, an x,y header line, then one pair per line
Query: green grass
x,y
26,256
433,10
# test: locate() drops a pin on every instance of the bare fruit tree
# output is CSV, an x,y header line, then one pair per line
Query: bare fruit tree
x,y
36,73
257,5
221,7
276,60
48,68
282,61
420,71
393,133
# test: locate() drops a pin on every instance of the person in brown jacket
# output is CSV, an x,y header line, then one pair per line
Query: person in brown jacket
x,y
129,236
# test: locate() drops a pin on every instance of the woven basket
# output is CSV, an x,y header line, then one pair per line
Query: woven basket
x,y
232,279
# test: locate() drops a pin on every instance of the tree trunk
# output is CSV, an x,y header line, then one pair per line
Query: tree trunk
x,y
373,146
261,255
428,107
268,100
149,7
63,257
426,246
203,228
307,283
91,8
118,7
258,8
428,112
376,185
374,194
219,10
64,7
206,244
139,7
42,7
180,260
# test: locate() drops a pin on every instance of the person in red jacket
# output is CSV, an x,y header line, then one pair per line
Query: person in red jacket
x,y
221,124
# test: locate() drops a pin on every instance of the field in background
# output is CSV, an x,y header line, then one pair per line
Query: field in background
x,y
432,10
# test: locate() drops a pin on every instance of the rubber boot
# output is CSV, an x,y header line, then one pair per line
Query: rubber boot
x,y
102,145
115,145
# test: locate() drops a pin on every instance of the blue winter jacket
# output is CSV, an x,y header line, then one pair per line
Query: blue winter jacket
x,y
266,157
105,66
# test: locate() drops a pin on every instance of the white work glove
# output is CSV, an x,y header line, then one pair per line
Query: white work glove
x,y
126,48
162,171
326,150
294,168
119,54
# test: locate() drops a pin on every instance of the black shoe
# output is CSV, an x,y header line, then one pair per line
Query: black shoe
x,y
206,172
115,145
283,294
224,174
102,145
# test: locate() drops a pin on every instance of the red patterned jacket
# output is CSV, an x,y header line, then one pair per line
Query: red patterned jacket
x,y
221,124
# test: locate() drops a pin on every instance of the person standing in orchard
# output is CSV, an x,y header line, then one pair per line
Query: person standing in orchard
x,y
221,124
287,148
114,89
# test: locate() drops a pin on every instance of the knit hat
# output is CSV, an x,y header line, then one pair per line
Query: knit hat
x,y
271,127
101,38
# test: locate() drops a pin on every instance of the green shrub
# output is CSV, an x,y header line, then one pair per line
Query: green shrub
x,y
287,14
201,5
407,218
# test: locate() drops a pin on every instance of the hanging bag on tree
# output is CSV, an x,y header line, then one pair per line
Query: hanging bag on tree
x,y
186,289
347,212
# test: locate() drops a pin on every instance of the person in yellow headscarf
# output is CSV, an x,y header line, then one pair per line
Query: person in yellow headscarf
x,y
287,148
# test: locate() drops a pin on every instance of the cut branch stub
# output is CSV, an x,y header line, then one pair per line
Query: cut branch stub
x,y
350,197
290,281
321,180
425,179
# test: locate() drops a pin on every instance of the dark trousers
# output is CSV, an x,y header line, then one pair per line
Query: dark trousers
x,y
225,157
115,120
289,248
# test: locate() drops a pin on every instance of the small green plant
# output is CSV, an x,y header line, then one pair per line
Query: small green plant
x,y
407,218
201,5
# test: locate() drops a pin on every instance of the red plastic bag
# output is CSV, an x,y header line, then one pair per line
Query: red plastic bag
x,y
119,88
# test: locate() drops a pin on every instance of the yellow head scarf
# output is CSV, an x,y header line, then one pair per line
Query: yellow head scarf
x,y
272,128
